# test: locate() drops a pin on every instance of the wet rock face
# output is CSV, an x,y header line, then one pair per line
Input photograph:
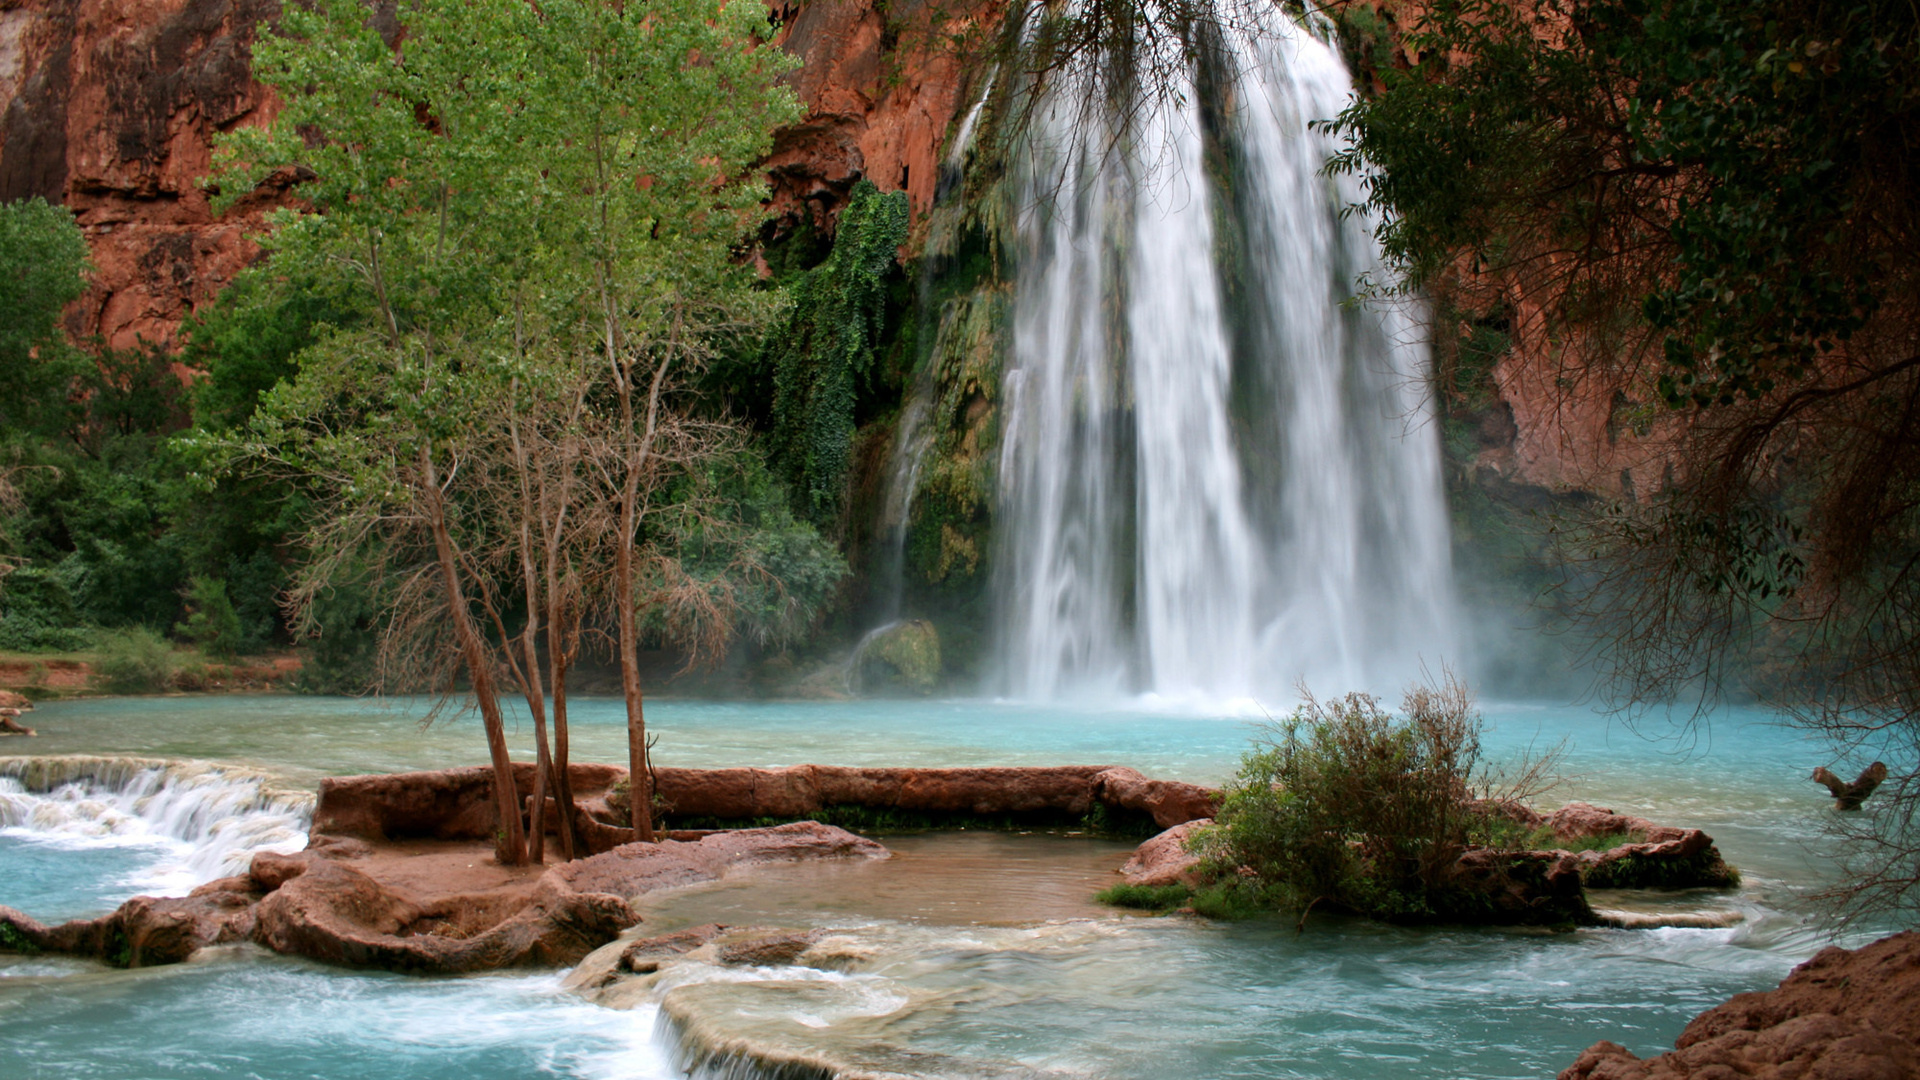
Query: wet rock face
x,y
883,84
1852,1015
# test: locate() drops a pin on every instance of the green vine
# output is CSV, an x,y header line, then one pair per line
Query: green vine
x,y
828,345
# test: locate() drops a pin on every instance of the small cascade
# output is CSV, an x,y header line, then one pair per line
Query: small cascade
x,y
911,442
1219,473
852,675
913,437
212,818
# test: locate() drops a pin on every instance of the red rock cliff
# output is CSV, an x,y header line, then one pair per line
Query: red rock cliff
x,y
111,107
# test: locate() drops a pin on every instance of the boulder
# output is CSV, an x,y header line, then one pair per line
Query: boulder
x,y
773,950
1514,888
903,656
1655,855
1164,859
314,904
328,911
1843,1015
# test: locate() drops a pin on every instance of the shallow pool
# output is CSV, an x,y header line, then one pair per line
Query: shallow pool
x,y
1016,974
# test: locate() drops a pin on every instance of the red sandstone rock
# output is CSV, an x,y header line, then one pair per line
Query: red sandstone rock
x,y
456,804
1170,802
334,913
1840,1016
1519,888
110,106
1164,859
338,915
445,804
1578,820
148,930
882,86
1660,844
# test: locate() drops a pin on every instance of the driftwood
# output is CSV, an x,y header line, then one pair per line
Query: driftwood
x,y
1849,796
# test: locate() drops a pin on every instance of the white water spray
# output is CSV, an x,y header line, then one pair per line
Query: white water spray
x,y
209,819
1219,474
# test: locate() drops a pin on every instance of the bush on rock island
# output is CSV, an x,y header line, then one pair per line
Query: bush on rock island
x,y
1345,806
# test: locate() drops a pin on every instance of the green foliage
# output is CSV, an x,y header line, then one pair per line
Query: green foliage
x,y
211,623
14,941
134,661
342,641
43,264
1236,899
827,348
538,204
1703,869
37,613
1348,806
1145,897
248,339
773,572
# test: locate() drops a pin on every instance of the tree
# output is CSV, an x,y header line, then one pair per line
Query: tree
x,y
537,205
1706,205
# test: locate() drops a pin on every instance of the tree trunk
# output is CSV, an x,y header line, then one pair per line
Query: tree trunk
x,y
511,846
639,783
562,782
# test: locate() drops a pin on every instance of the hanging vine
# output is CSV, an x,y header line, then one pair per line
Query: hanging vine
x,y
827,348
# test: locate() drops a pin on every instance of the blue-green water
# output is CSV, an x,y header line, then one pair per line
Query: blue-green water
x,y
1106,996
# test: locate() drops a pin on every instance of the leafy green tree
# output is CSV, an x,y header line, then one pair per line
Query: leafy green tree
x,y
535,207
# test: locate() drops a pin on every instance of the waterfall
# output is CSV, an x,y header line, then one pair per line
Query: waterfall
x,y
1219,472
211,819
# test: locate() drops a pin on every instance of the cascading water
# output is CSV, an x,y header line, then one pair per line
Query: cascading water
x,y
1218,475
204,820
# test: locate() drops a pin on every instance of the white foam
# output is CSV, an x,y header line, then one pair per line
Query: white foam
x,y
204,821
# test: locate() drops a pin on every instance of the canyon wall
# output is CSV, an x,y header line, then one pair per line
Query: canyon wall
x,y
111,108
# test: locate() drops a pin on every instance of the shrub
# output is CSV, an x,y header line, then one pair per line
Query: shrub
x,y
134,661
1145,897
1346,805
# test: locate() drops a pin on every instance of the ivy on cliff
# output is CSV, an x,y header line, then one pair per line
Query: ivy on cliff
x,y
827,348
